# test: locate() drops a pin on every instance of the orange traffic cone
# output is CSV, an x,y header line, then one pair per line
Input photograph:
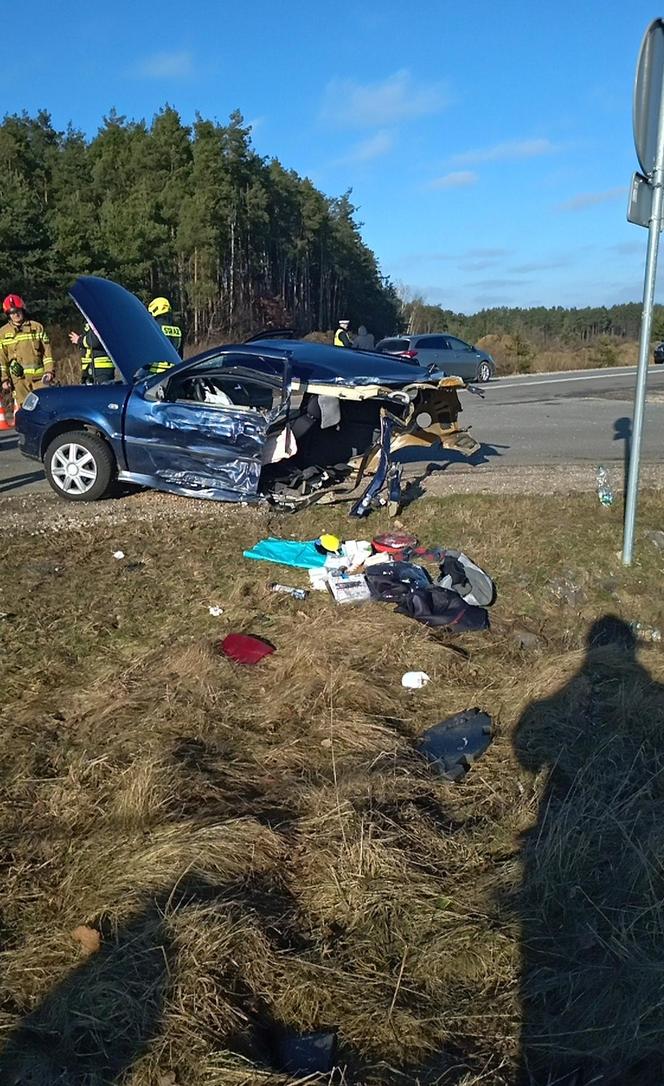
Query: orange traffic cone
x,y
4,425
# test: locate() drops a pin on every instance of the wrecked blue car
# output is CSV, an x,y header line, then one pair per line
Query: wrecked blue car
x,y
278,419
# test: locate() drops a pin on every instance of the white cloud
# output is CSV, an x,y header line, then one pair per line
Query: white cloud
x,y
504,152
462,179
592,199
175,65
370,148
397,98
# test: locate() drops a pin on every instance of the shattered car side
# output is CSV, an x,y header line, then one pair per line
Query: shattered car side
x,y
290,421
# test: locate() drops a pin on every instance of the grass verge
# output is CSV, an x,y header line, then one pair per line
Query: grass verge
x,y
264,845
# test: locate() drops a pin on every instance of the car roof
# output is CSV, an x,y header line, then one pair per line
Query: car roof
x,y
318,363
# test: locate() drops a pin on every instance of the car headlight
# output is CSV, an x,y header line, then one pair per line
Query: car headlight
x,y
30,402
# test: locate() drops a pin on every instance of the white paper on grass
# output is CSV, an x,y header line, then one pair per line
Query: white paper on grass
x,y
414,680
318,578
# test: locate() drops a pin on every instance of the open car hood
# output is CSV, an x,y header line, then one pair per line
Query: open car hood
x,y
131,337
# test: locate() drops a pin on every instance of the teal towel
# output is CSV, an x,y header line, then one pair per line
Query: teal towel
x,y
288,552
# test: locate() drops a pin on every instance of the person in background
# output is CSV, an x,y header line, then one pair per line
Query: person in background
x,y
364,340
342,336
26,361
96,366
162,311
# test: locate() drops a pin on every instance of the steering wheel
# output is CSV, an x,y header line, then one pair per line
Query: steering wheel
x,y
196,389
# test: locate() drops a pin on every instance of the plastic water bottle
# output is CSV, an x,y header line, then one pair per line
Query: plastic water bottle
x,y
646,633
296,593
604,488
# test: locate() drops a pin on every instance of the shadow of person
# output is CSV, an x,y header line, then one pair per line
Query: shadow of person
x,y
592,899
96,1023
93,1027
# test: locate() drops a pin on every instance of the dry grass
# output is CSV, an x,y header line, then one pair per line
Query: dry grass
x,y
520,356
264,845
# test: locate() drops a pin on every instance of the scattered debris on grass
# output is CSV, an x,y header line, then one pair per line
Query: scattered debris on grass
x,y
88,939
245,836
245,648
454,744
301,1054
288,590
414,680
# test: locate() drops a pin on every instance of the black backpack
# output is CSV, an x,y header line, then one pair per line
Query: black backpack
x,y
441,608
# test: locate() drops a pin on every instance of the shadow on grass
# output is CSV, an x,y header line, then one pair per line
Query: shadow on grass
x,y
592,900
94,1025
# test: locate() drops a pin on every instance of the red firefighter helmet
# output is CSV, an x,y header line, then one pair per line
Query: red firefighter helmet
x,y
13,301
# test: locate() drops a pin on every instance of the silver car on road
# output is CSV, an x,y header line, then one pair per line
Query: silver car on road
x,y
450,353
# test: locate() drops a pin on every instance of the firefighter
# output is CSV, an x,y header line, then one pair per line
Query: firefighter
x,y
162,311
26,362
96,367
342,335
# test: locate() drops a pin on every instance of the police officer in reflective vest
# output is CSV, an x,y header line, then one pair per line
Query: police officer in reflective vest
x,y
96,366
342,335
26,362
162,311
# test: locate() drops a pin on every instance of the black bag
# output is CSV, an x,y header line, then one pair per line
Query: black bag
x,y
439,607
393,581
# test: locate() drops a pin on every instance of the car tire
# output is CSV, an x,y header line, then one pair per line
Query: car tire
x,y
92,460
484,372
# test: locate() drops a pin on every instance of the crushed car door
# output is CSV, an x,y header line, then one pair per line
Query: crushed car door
x,y
202,429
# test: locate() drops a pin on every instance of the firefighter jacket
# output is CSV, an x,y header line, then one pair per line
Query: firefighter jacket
x,y
25,351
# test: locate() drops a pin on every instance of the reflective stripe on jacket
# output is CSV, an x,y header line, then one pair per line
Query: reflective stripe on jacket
x,y
95,363
25,348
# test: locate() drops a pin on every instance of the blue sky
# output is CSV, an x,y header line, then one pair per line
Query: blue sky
x,y
488,145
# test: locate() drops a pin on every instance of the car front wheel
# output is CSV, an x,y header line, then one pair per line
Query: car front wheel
x,y
484,372
79,466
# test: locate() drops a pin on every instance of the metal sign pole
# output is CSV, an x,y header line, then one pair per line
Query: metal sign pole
x,y
654,229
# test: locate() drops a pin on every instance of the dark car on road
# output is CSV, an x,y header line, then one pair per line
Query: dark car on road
x,y
659,354
449,353
286,420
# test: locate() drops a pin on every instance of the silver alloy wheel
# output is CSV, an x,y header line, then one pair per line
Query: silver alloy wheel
x,y
74,469
484,372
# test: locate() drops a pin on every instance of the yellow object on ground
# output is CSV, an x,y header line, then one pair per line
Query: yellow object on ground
x,y
330,542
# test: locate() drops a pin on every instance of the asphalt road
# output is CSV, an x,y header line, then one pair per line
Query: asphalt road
x,y
574,418
564,418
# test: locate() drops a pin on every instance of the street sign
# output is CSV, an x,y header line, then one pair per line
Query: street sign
x,y
639,204
648,96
